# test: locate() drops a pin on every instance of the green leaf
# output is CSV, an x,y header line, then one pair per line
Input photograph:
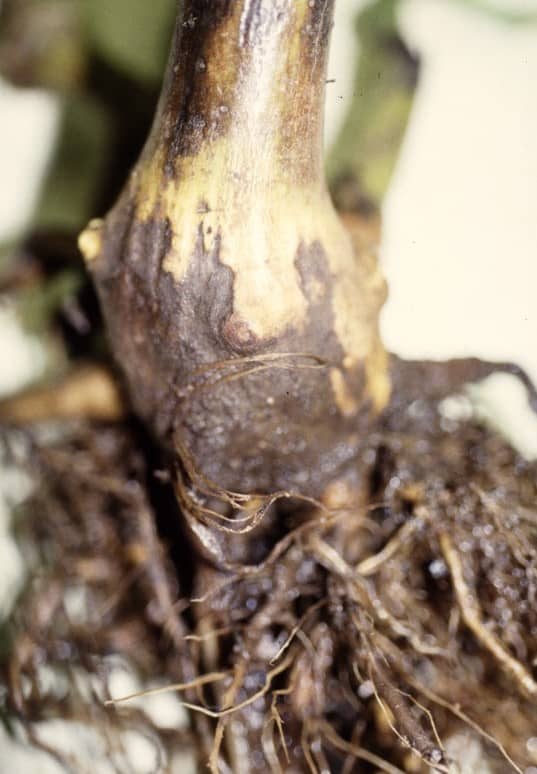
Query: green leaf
x,y
368,144
133,35
68,195
38,305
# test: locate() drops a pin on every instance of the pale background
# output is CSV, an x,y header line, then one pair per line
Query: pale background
x,y
460,220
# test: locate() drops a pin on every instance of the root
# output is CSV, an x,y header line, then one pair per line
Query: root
x,y
467,720
294,631
358,753
471,615
199,681
393,703
247,702
372,564
209,376
90,392
313,652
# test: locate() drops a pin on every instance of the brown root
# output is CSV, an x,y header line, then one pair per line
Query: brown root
x,y
89,392
347,633
472,617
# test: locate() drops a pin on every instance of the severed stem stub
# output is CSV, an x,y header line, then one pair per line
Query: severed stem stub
x,y
244,322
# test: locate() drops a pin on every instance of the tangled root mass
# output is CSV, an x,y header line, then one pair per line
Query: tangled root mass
x,y
347,636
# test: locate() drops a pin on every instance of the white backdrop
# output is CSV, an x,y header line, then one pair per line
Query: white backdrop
x,y
460,220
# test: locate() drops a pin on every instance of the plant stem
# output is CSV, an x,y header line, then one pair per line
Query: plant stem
x,y
243,321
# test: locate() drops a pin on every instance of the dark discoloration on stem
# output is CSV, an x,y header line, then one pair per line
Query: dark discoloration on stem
x,y
220,50
225,246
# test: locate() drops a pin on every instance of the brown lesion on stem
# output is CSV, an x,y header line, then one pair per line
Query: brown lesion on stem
x,y
251,69
225,245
